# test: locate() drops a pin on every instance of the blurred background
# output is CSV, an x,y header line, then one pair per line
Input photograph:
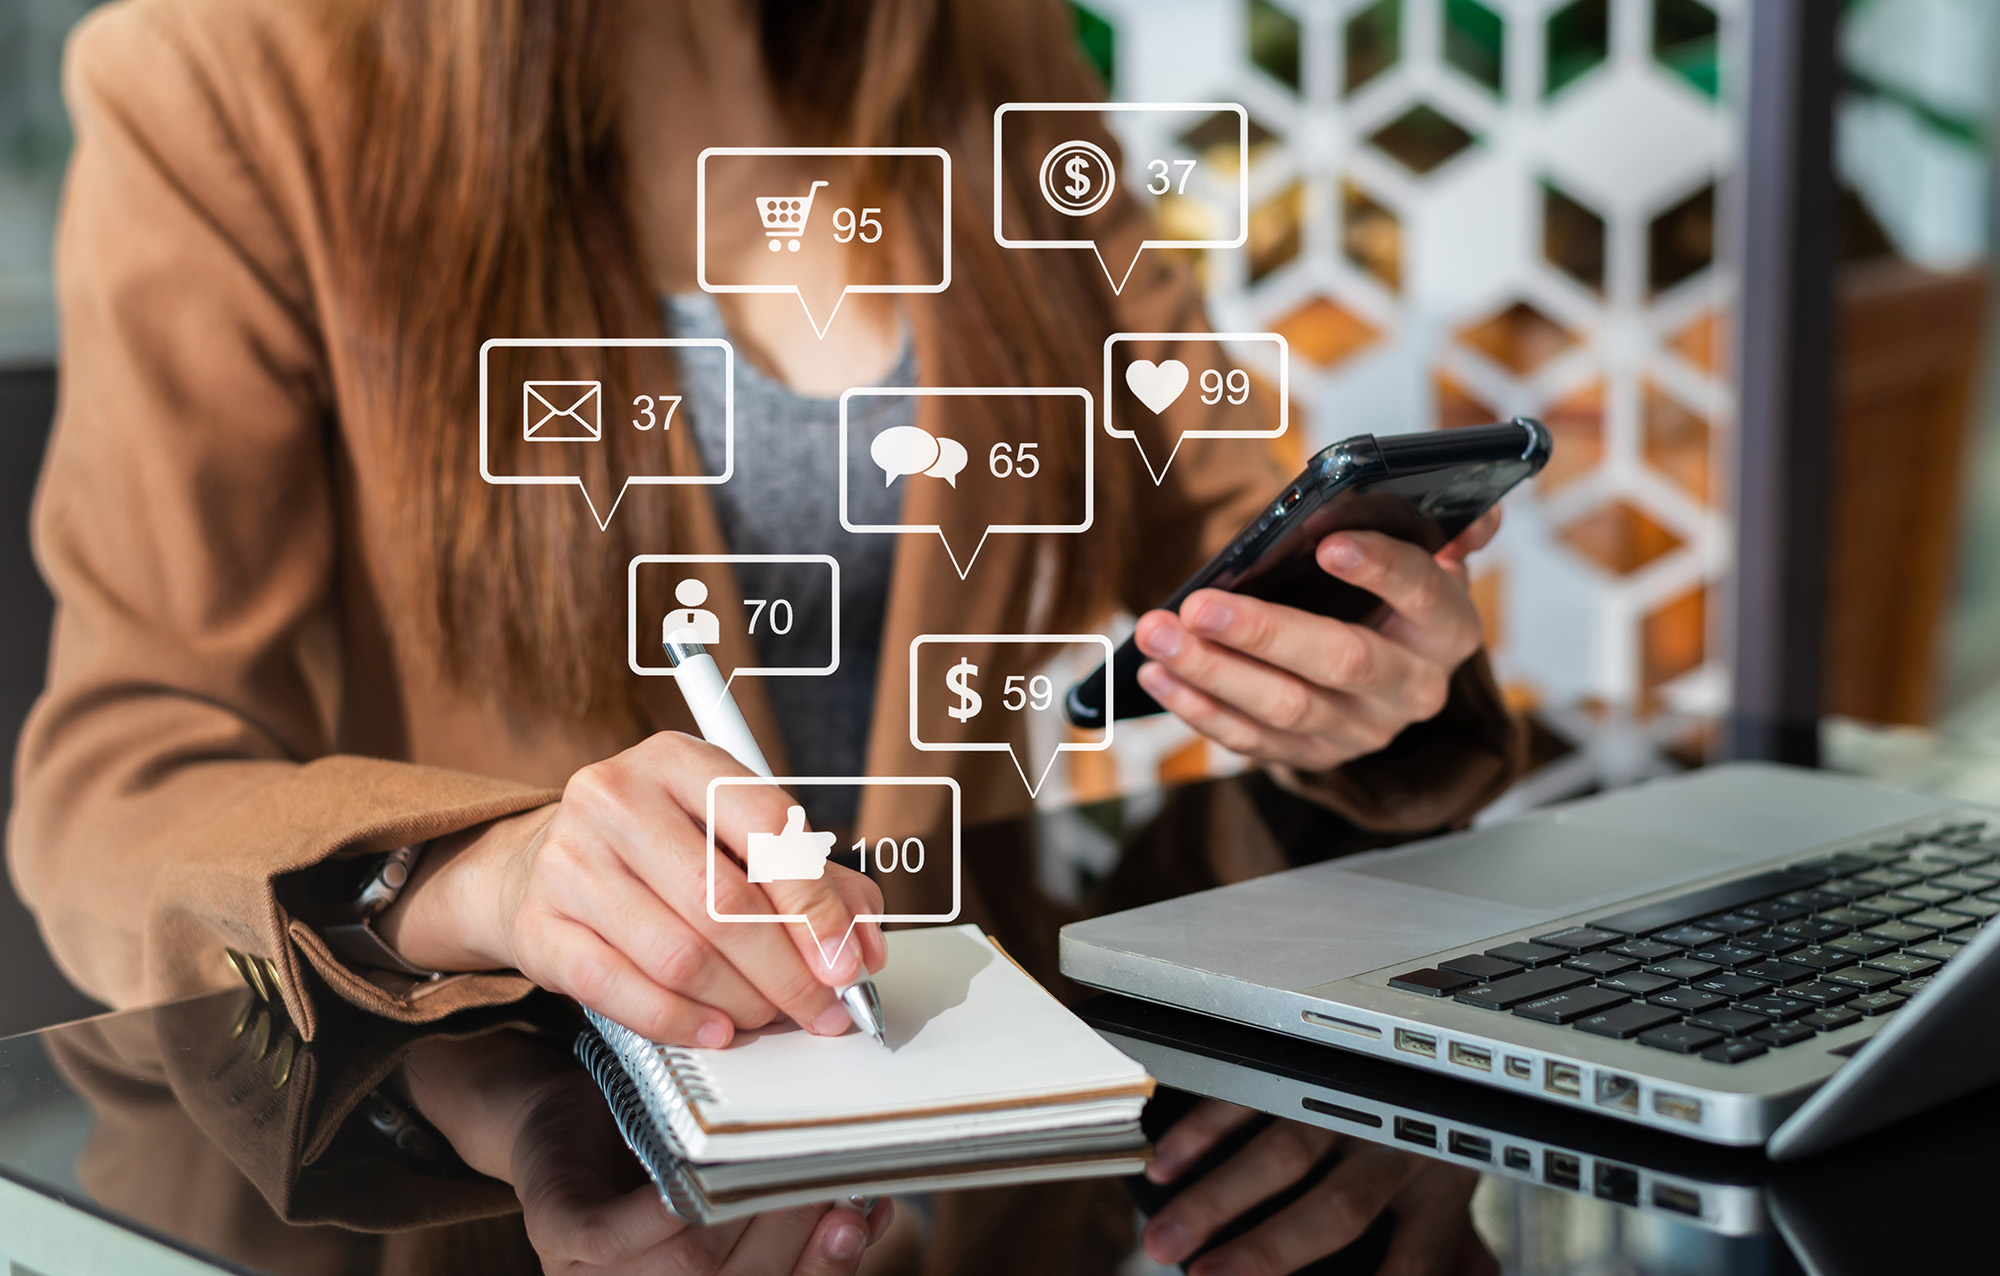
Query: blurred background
x,y
1737,257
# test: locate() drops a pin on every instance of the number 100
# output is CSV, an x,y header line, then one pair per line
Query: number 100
x,y
889,856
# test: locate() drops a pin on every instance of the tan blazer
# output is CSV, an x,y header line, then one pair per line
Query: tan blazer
x,y
233,694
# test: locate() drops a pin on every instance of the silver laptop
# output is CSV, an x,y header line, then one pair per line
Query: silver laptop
x,y
1748,954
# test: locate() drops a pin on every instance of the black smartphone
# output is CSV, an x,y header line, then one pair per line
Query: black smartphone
x,y
1422,488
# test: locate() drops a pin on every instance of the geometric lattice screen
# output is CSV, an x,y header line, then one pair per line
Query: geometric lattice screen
x,y
1464,210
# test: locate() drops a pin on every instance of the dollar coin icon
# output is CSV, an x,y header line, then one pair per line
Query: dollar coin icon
x,y
959,681
1077,178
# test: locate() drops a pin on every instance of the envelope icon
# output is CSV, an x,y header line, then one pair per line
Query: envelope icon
x,y
562,411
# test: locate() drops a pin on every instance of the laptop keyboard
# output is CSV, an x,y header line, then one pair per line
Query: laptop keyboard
x,y
1733,971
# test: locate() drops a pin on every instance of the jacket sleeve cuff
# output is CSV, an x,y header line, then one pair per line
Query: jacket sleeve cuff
x,y
1436,774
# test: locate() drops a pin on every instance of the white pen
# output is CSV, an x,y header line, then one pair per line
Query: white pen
x,y
721,724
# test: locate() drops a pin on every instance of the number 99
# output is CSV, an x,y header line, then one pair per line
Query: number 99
x,y
1213,384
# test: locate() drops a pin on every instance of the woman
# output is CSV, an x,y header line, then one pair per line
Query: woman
x,y
296,631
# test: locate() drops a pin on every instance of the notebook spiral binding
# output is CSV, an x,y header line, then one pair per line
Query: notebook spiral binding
x,y
662,1067
628,1110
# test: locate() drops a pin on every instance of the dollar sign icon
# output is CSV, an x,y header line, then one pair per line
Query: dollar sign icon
x,y
1078,178
1079,185
959,681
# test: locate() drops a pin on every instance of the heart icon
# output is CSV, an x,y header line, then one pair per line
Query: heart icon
x,y
1157,384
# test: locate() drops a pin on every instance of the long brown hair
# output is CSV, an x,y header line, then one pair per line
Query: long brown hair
x,y
488,197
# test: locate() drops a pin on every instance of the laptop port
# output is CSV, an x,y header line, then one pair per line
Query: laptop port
x,y
1520,1069
1614,1091
1680,1107
1416,1043
1471,1057
1478,1147
1518,1159
1618,1183
1422,1133
1565,1079
1681,1200
1560,1169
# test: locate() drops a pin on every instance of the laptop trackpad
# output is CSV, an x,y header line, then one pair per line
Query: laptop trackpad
x,y
1549,867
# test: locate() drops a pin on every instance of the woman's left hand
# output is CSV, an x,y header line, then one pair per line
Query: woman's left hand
x,y
1283,685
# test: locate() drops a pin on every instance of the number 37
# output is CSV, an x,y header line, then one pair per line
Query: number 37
x,y
1162,183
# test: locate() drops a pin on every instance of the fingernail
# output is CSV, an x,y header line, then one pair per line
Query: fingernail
x,y
1161,639
841,958
714,1034
1210,618
832,1021
1157,681
1163,1169
844,1240
1167,1242
1340,552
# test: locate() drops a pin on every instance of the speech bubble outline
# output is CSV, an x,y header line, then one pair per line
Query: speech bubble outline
x,y
642,480
754,671
1089,462
758,781
819,329
1118,283
1062,746
1218,338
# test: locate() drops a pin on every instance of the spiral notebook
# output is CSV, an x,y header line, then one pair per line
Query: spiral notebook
x,y
977,1050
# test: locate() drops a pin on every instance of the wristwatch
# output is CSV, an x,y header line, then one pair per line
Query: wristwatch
x,y
343,921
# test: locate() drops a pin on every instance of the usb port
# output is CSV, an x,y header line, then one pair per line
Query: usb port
x,y
1565,1079
1416,1043
1478,1147
1422,1133
1471,1057
1680,1107
1518,1159
1618,1183
1614,1091
1681,1200
1560,1169
1520,1069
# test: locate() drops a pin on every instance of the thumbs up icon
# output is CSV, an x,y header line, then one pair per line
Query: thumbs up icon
x,y
793,855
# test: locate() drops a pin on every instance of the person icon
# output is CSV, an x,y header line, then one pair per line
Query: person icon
x,y
689,622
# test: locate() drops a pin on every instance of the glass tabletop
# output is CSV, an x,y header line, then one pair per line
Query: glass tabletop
x,y
204,1135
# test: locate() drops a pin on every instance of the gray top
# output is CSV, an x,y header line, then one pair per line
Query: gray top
x,y
784,498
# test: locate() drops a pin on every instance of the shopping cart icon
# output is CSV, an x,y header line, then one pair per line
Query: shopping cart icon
x,y
785,216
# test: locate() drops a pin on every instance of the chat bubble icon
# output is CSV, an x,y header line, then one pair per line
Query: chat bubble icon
x,y
758,615
604,415
1003,693
804,220
973,500
914,834
1163,388
1057,165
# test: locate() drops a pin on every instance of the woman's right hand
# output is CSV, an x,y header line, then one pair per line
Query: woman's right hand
x,y
604,897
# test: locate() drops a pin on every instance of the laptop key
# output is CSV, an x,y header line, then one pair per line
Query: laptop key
x,y
1529,955
1580,939
1813,900
1604,963
1830,1018
1864,978
1907,964
1734,1051
1773,1006
1877,1003
1781,973
1679,1038
1730,1022
1636,983
1673,911
1927,893
1784,1034
1732,923
1654,950
1835,865
1822,992
1820,959
1811,930
1431,983
1688,936
1683,969
1939,920
1505,994
1775,942
1890,878
1862,946
1687,1001
1626,1021
1850,918
1775,910
1480,966
1727,955
1936,950
1983,909
1730,986
1852,888
1567,1007
1900,933
1888,905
